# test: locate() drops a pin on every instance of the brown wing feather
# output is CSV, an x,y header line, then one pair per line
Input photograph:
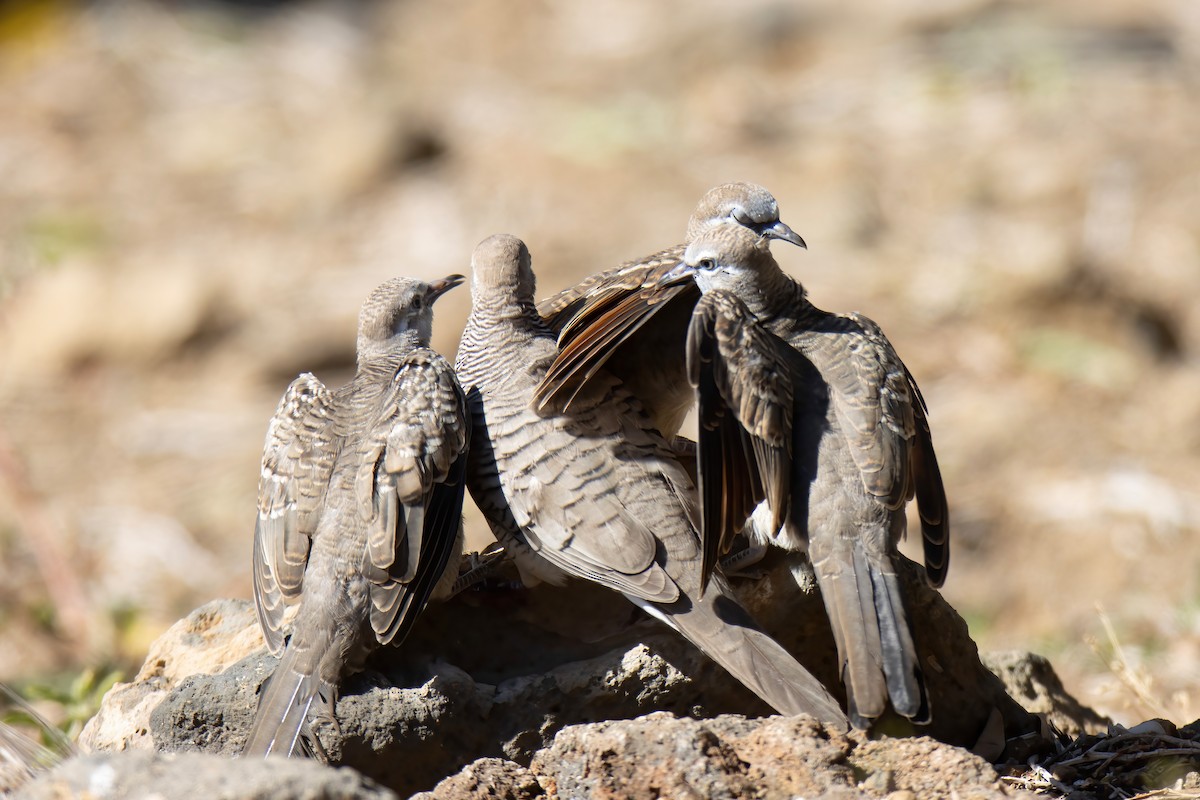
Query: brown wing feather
x,y
412,449
931,495
873,400
884,420
297,461
745,393
595,317
558,311
601,330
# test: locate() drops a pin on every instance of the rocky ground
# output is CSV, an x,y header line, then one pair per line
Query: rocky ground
x,y
196,197
491,699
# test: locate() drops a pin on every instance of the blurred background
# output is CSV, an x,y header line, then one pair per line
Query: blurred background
x,y
195,198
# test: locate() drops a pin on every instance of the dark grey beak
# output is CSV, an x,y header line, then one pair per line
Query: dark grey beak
x,y
680,273
777,230
439,288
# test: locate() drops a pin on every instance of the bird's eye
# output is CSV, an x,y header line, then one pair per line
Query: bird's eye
x,y
707,263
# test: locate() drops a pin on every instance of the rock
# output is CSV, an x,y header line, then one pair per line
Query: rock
x,y
123,721
1032,682
925,768
685,757
734,757
487,779
149,776
207,641
407,723
499,674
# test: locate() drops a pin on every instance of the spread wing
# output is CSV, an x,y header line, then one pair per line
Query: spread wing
x,y
595,317
871,395
744,387
559,310
409,489
298,457
883,419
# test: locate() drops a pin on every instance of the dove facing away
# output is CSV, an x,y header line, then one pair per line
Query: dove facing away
x,y
597,493
359,510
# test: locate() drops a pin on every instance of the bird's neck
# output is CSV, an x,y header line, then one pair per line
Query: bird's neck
x,y
502,331
371,351
490,309
773,294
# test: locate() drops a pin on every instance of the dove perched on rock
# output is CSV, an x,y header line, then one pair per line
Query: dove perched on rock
x,y
815,414
596,492
359,509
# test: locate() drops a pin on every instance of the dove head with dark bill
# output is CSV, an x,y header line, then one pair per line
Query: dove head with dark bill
x,y
400,310
743,204
731,258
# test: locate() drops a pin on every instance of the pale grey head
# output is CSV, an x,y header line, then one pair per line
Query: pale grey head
x,y
745,204
399,311
730,257
501,266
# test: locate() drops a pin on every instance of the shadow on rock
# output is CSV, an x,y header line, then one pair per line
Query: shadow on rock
x,y
497,674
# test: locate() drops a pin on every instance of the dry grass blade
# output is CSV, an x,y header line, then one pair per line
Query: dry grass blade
x,y
21,756
1135,680
1120,765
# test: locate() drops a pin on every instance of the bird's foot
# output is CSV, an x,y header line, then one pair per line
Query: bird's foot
x,y
477,568
741,563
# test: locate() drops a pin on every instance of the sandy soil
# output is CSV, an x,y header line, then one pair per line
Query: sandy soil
x,y
195,200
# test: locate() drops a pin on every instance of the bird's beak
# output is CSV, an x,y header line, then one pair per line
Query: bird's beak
x,y
777,230
439,288
680,273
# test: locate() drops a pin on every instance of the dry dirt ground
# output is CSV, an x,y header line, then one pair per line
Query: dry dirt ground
x,y
194,199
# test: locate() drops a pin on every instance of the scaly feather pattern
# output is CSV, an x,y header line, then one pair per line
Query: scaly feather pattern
x,y
360,511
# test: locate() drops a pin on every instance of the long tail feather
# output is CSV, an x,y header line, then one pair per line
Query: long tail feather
x,y
727,634
900,668
283,709
877,657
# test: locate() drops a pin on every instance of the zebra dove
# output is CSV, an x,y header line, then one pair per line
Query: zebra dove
x,y
597,493
815,413
359,509
623,321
